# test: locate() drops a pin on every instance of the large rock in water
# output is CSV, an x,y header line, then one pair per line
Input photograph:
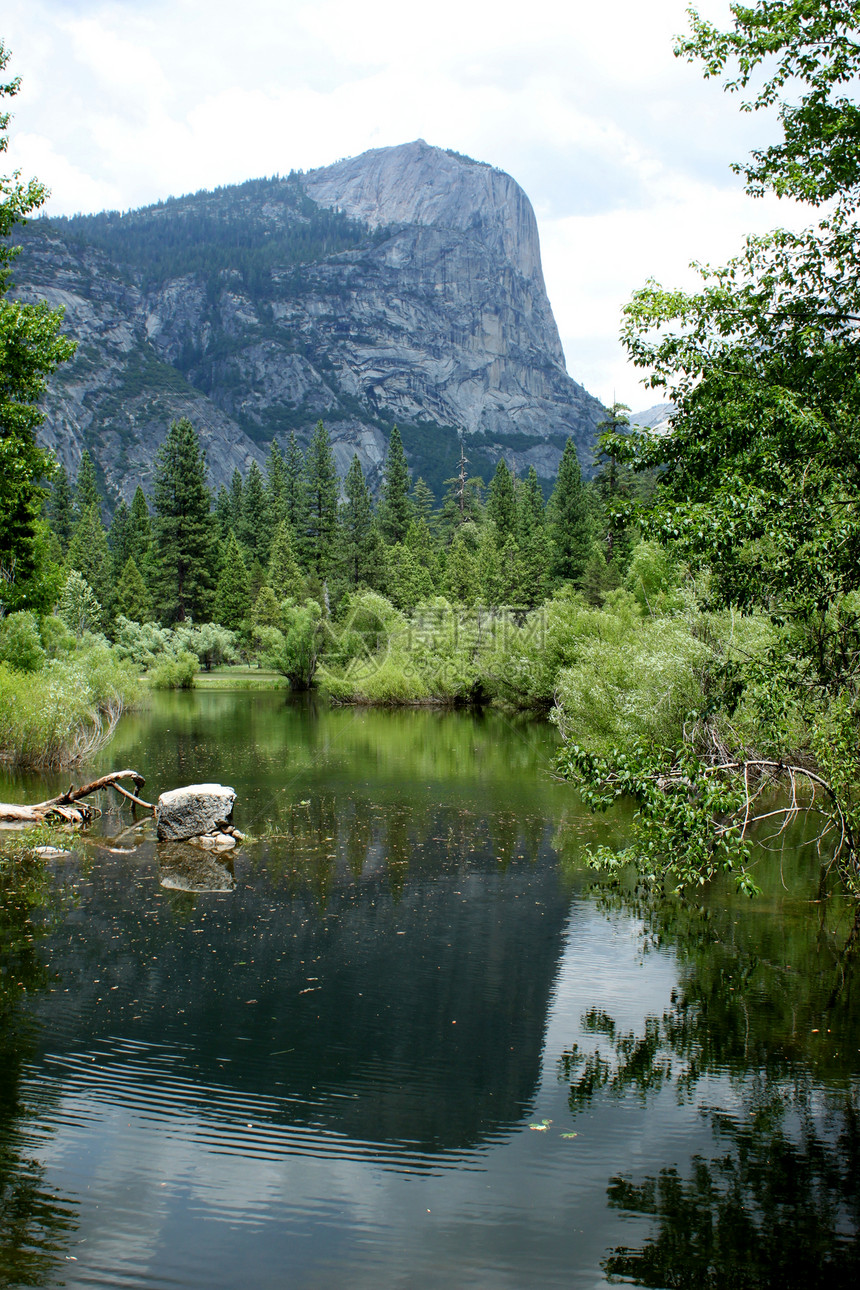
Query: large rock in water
x,y
403,285
193,811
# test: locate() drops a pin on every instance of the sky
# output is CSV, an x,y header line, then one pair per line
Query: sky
x,y
624,150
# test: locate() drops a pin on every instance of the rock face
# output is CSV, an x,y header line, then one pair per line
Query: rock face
x,y
404,285
191,812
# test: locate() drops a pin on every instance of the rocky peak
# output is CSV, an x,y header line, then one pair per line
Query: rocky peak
x,y
415,183
403,285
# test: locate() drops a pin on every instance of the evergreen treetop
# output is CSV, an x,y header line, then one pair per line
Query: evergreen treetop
x,y
395,508
184,527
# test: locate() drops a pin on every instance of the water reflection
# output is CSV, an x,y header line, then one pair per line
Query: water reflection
x,y
762,1035
35,1221
329,1071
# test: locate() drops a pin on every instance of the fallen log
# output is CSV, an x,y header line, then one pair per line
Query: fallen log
x,y
66,807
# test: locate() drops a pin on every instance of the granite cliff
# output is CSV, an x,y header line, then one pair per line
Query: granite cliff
x,y
404,285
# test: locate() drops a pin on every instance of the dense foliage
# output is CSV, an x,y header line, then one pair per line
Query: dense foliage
x,y
30,349
758,476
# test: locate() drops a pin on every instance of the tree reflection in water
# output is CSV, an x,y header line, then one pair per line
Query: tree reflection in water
x,y
35,1223
764,1011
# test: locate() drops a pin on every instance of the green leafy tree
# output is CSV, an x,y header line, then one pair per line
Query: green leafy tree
x,y
294,650
89,555
322,491
408,582
184,553
132,598
759,474
211,643
233,592
420,542
395,508
20,643
568,520
807,46
31,348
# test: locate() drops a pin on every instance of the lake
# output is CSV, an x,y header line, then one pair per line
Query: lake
x,y
403,1039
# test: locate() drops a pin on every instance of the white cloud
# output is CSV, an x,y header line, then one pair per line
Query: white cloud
x,y
623,149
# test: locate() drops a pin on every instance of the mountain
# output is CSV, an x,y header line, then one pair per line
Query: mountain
x,y
404,285
653,418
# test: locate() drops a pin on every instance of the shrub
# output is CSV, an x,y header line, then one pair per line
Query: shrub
x,y
174,671
210,642
294,652
65,712
20,642
143,643
57,640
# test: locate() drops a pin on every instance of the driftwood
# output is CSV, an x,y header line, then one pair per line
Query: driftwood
x,y
66,807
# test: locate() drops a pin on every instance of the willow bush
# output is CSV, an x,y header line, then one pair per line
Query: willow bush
x,y
66,711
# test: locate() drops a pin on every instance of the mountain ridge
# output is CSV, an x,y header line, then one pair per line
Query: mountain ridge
x,y
401,286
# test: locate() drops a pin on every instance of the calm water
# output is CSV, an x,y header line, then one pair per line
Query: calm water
x,y
403,1041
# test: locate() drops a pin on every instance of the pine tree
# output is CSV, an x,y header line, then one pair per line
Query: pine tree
x,y
502,502
237,491
423,502
296,498
119,535
61,509
86,486
184,527
408,583
284,575
512,579
223,512
255,525
267,610
276,485
613,484
355,530
395,508
462,505
140,533
79,608
488,567
322,490
534,542
568,520
419,540
461,575
132,594
89,555
233,593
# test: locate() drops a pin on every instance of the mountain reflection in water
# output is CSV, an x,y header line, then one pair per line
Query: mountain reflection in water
x,y
402,1038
